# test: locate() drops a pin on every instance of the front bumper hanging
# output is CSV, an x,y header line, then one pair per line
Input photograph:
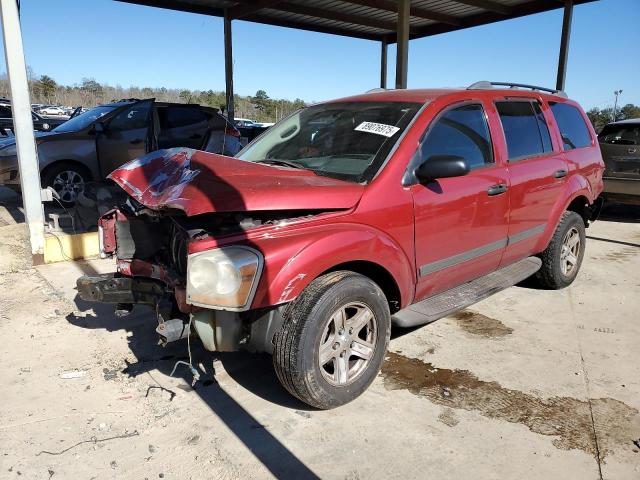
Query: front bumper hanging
x,y
109,288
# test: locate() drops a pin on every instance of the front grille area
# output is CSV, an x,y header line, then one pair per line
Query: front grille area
x,y
155,240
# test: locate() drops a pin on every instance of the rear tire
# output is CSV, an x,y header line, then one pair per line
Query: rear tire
x,y
562,258
333,339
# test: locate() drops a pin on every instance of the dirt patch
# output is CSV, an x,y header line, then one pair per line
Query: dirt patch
x,y
448,417
622,255
478,324
15,253
566,418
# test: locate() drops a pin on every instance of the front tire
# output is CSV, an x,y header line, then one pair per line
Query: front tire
x,y
562,258
67,179
333,339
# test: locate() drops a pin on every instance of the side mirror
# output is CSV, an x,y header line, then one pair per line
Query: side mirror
x,y
442,166
99,127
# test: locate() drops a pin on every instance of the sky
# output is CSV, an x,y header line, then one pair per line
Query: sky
x,y
122,44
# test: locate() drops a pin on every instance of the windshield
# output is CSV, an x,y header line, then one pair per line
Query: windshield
x,y
345,140
84,119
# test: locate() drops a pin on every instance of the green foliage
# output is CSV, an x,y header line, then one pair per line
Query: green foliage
x,y
47,86
89,85
90,93
600,117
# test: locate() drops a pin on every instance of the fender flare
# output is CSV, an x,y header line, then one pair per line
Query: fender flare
x,y
324,251
576,186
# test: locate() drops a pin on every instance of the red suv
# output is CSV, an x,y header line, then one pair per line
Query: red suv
x,y
392,207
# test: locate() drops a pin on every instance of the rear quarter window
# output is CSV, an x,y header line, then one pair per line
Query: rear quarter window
x,y
574,130
183,116
525,129
620,134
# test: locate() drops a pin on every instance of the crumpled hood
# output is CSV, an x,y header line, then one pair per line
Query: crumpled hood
x,y
199,182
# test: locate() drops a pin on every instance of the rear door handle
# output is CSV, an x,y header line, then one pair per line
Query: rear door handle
x,y
560,173
631,150
195,136
136,141
497,189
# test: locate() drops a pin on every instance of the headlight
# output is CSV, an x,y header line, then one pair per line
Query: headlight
x,y
8,151
225,278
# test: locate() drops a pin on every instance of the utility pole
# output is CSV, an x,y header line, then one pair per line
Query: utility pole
x,y
615,105
23,127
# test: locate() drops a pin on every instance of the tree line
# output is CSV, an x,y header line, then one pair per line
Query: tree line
x,y
600,117
260,107
89,93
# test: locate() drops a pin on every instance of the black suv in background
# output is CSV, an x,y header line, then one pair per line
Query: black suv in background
x,y
39,123
620,146
91,145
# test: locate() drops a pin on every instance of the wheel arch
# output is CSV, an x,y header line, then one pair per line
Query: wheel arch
x,y
378,274
353,247
50,166
577,197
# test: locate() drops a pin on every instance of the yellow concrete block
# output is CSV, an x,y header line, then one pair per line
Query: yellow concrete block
x,y
60,247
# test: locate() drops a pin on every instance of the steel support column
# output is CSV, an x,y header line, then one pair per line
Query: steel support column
x,y
228,66
383,63
23,127
564,44
402,55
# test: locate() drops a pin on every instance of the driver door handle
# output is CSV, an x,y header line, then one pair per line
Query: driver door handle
x,y
631,150
136,141
560,173
497,189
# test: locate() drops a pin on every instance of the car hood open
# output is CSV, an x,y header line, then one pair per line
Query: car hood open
x,y
198,182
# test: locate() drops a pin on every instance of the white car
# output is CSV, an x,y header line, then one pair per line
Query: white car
x,y
52,111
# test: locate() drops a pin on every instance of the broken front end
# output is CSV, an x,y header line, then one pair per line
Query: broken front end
x,y
151,250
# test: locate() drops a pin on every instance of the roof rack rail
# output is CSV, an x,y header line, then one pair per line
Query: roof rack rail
x,y
484,85
375,90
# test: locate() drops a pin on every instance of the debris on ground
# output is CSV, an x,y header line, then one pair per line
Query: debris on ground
x,y
93,440
73,374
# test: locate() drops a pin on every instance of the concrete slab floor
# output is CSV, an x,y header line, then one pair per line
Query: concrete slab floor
x,y
526,384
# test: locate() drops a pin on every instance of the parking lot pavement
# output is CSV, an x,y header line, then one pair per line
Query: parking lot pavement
x,y
526,384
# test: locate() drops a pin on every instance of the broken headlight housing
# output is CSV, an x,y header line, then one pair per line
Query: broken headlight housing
x,y
224,278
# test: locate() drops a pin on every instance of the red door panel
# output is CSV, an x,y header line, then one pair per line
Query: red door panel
x,y
536,167
460,222
461,231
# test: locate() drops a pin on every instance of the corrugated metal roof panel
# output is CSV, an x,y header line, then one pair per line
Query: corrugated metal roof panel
x,y
372,19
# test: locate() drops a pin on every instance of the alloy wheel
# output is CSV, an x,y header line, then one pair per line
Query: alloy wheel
x,y
347,344
570,251
68,184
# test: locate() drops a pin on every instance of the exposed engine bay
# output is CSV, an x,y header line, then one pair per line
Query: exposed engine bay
x,y
151,248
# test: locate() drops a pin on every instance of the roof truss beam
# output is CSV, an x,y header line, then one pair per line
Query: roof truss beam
x,y
240,11
424,13
335,16
489,5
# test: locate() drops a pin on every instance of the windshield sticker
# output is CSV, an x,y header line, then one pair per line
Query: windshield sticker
x,y
377,128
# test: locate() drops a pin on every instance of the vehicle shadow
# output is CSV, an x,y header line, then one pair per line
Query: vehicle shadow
x,y
622,213
252,371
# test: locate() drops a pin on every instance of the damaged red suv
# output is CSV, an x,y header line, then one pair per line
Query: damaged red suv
x,y
391,207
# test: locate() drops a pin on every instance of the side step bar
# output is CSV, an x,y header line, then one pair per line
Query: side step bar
x,y
442,304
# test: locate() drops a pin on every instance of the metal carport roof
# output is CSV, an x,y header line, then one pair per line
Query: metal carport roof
x,y
368,19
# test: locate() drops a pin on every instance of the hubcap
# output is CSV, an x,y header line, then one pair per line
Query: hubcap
x,y
68,185
570,251
347,344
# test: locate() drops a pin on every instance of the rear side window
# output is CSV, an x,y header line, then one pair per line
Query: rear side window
x,y
131,118
183,116
462,132
525,129
620,134
573,128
